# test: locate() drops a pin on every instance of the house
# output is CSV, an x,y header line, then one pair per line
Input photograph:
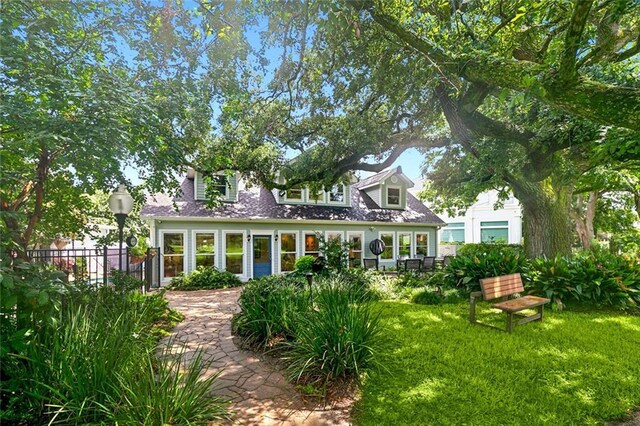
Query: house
x,y
481,223
257,232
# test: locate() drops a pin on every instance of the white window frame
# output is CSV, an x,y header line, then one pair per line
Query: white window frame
x,y
321,200
411,244
394,245
449,228
507,226
415,242
193,245
223,251
344,194
261,232
280,252
184,254
361,235
295,200
327,233
303,251
227,187
400,198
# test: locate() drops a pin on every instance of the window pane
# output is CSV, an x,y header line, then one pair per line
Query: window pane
x,y
287,262
337,193
495,235
204,260
393,196
310,243
173,265
334,236
452,236
220,184
404,245
234,263
497,223
318,196
173,243
455,225
388,246
288,242
294,194
422,244
234,243
204,243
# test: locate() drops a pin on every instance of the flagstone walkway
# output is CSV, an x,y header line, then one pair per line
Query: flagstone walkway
x,y
259,393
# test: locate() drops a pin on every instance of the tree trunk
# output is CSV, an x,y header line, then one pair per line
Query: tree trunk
x,y
545,218
583,217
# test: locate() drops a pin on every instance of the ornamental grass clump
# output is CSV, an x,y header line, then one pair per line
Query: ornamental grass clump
x,y
338,339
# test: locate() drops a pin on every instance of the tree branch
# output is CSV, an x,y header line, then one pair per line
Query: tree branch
x,y
568,70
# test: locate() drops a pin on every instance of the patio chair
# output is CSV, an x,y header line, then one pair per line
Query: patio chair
x,y
428,264
413,265
370,263
447,260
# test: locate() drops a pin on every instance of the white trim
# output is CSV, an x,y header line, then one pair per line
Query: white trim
x,y
394,246
295,200
195,186
193,245
184,251
401,197
262,233
223,251
287,221
361,235
279,252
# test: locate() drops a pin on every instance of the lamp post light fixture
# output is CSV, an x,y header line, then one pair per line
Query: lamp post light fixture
x,y
121,204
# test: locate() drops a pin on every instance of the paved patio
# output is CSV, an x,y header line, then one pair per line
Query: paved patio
x,y
259,393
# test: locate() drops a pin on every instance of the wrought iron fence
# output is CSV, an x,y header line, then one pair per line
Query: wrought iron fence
x,y
95,266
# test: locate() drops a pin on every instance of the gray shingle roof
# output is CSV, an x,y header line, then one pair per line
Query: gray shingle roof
x,y
259,203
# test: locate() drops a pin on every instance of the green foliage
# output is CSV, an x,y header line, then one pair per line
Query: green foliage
x,y
125,283
335,251
427,297
412,280
439,370
270,308
96,347
163,392
592,277
303,264
327,333
337,339
204,278
476,261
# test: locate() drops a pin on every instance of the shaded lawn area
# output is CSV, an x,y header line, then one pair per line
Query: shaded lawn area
x,y
574,368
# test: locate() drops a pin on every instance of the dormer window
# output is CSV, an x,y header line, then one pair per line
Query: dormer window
x,y
220,184
393,196
318,197
293,194
337,194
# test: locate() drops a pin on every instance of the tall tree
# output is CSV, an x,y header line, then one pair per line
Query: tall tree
x,y
88,88
499,91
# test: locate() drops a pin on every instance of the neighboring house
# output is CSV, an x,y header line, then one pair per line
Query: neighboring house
x,y
482,223
258,232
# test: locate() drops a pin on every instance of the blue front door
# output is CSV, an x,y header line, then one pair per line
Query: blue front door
x,y
261,255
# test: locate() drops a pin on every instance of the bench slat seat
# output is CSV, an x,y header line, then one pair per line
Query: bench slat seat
x,y
507,285
521,303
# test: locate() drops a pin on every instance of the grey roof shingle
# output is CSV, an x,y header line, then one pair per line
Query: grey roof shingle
x,y
259,203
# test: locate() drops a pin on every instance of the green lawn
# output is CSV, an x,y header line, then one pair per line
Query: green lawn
x,y
575,368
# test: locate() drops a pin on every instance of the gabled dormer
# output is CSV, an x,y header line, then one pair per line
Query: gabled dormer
x,y
226,184
388,189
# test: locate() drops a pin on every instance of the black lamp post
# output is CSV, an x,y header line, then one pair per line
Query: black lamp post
x,y
121,204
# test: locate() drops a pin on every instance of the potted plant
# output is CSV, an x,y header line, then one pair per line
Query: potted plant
x,y
138,252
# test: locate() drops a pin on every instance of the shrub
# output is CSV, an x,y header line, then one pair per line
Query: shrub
x,y
205,278
411,279
476,261
270,307
303,264
124,283
595,277
338,339
427,297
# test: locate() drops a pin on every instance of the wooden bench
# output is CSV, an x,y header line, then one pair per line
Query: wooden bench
x,y
507,285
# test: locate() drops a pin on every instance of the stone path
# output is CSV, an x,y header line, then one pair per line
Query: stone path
x,y
259,393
